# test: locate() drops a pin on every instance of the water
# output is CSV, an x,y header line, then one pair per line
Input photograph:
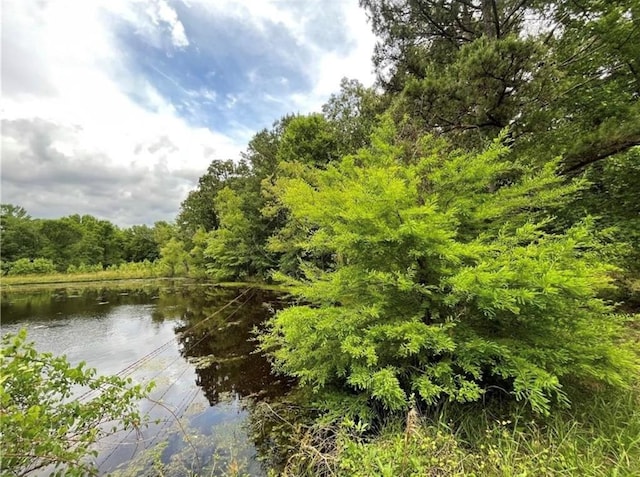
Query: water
x,y
207,373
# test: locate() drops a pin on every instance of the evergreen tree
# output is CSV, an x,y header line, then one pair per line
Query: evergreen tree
x,y
563,76
447,281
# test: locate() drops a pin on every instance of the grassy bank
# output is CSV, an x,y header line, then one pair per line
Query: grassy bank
x,y
28,281
598,436
56,278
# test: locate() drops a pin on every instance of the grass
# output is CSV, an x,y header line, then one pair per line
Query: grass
x,y
126,272
598,436
22,282
54,278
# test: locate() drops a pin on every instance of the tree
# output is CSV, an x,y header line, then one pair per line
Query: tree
x,y
42,427
262,150
594,103
139,244
61,238
448,282
198,210
100,242
163,232
309,139
410,28
614,195
197,261
563,76
352,113
236,250
19,235
174,258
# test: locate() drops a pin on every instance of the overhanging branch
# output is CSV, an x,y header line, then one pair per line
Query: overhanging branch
x,y
576,162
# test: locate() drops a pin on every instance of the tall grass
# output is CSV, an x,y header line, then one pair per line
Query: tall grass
x,y
124,271
598,436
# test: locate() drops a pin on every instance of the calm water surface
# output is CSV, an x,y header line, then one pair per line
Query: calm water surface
x,y
201,356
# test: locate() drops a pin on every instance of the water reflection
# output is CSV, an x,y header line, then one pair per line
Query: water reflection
x,y
221,346
208,376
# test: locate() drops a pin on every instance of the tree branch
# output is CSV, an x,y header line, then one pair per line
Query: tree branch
x,y
574,163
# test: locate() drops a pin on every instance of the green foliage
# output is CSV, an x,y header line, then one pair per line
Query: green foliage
x,y
600,440
74,241
447,281
19,236
139,269
352,114
262,150
239,242
39,266
308,139
473,98
198,209
423,451
83,268
598,436
196,259
163,232
614,193
174,258
561,78
235,250
139,244
43,426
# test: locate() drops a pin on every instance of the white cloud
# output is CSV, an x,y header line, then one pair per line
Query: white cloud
x,y
67,91
310,23
331,67
154,20
160,12
85,99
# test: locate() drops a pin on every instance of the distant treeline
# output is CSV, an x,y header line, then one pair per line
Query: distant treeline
x,y
77,244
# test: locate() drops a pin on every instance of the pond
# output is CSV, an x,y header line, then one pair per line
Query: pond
x,y
196,343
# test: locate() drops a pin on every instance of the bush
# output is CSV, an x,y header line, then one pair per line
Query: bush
x,y
144,269
42,426
84,268
448,282
39,266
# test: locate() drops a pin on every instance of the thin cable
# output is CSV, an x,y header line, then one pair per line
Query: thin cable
x,y
186,398
190,346
140,361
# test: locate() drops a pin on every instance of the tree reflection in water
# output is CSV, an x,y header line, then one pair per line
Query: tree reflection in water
x,y
222,346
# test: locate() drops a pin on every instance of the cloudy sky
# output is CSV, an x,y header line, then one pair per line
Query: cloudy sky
x,y
115,108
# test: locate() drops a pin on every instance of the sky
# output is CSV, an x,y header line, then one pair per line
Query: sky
x,y
115,108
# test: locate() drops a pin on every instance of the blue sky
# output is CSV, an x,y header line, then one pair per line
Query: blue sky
x,y
115,107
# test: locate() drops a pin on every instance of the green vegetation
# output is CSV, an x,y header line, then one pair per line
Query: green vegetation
x,y
443,287
125,271
456,238
42,428
598,436
83,244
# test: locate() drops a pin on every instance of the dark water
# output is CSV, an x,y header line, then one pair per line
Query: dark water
x,y
203,360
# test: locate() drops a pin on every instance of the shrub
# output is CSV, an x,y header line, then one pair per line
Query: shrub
x,y
84,268
448,281
41,425
39,266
